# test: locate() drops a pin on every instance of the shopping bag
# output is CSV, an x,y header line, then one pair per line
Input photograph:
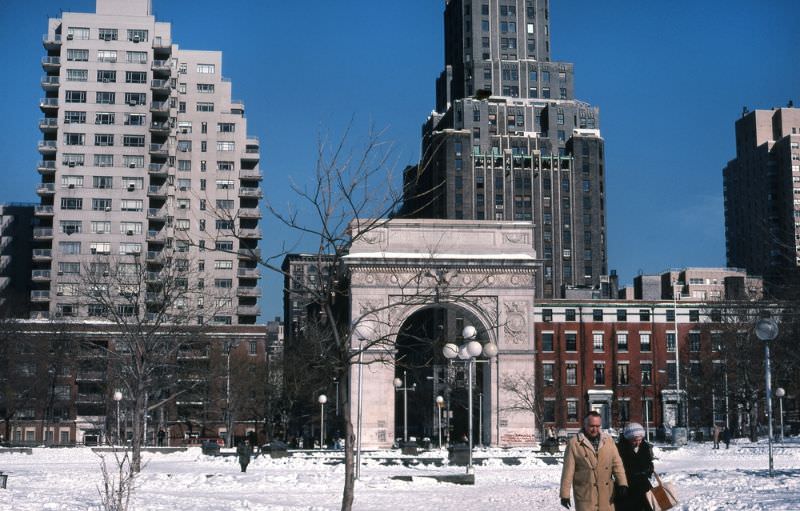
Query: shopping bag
x,y
663,496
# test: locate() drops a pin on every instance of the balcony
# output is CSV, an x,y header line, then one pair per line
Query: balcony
x,y
249,191
160,43
250,174
154,256
163,66
159,150
48,147
160,128
251,254
90,398
51,42
50,83
40,296
155,236
249,273
251,153
159,214
51,63
153,276
46,168
48,124
40,275
45,189
249,213
162,86
158,169
42,254
157,191
43,233
248,310
251,292
90,376
159,107
252,234
43,211
48,104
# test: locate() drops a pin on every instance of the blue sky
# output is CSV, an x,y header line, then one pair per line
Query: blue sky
x,y
670,79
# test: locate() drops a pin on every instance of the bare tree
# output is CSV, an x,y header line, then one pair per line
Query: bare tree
x,y
526,395
154,305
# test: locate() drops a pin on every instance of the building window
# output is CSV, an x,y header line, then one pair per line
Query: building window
x,y
694,341
624,410
622,374
597,341
569,314
135,77
572,341
694,315
207,69
104,76
647,373
716,341
671,374
547,375
670,314
205,107
108,34
103,140
572,374
75,96
77,75
137,57
644,315
644,341
622,341
599,373
547,341
106,55
137,35
226,146
622,315
205,88
76,55
671,342
597,314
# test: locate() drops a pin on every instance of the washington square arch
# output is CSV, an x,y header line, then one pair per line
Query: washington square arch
x,y
415,284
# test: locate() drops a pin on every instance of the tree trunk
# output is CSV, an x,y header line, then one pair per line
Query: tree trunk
x,y
349,457
136,441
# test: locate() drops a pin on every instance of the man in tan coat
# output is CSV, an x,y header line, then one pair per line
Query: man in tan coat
x,y
590,459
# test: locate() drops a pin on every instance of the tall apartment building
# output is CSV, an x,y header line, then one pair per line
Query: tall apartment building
x,y
143,152
762,195
509,141
16,233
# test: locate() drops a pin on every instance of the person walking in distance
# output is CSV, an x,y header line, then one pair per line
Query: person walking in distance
x,y
591,467
244,450
716,432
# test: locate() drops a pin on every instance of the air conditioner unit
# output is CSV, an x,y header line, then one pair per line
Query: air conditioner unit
x,y
131,165
100,231
130,233
105,80
136,38
59,293
105,274
183,188
69,37
71,186
71,164
108,209
131,187
182,206
184,130
61,273
133,102
93,251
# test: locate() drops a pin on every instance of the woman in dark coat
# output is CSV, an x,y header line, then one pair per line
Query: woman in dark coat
x,y
244,451
637,457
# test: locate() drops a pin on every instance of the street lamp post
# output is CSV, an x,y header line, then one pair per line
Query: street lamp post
x,y
322,400
767,330
402,385
677,350
228,346
468,352
118,398
779,393
439,405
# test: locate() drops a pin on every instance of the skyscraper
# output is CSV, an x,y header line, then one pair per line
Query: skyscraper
x,y
143,152
762,196
509,141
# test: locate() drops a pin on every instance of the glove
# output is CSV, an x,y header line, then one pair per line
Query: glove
x,y
565,503
622,491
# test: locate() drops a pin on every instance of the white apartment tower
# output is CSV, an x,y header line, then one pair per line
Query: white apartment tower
x,y
144,153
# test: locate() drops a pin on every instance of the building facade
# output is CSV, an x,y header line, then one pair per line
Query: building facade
x,y
699,284
16,235
146,160
57,382
508,140
762,196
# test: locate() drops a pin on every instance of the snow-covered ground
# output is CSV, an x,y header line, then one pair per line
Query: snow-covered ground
x,y
706,479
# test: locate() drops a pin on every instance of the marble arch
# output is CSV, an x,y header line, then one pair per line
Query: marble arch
x,y
484,268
